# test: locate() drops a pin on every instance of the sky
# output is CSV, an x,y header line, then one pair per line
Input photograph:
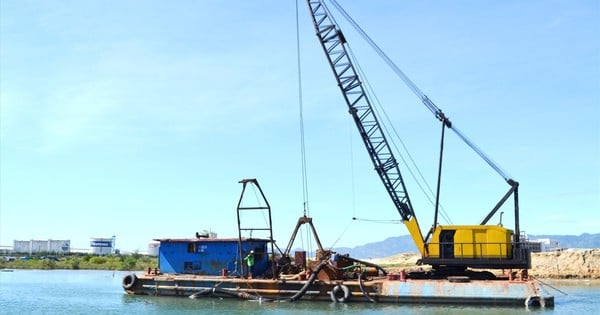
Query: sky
x,y
138,118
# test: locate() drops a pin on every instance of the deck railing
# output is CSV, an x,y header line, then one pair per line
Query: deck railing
x,y
453,250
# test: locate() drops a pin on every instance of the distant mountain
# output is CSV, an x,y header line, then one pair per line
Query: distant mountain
x,y
387,247
404,244
584,240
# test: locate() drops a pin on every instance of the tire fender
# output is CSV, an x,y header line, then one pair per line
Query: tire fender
x,y
535,301
129,281
340,294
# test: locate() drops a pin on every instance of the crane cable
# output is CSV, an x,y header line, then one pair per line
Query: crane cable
x,y
351,55
379,108
381,112
421,181
306,211
300,110
426,100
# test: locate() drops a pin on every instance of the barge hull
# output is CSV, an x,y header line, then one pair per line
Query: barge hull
x,y
476,292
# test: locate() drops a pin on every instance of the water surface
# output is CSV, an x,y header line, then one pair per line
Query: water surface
x,y
100,292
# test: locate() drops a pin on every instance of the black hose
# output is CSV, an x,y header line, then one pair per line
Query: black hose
x,y
362,289
248,296
308,283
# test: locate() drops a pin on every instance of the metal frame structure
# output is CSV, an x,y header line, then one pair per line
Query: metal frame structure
x,y
240,208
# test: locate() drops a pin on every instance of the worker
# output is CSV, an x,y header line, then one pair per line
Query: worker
x,y
250,261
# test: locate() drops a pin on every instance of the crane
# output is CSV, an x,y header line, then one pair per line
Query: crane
x,y
446,247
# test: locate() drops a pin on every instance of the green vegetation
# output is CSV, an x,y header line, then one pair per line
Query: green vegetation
x,y
83,261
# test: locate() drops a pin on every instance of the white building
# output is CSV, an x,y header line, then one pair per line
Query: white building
x,y
42,246
102,246
153,248
547,244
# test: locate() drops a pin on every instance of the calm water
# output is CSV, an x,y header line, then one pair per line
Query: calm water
x,y
99,292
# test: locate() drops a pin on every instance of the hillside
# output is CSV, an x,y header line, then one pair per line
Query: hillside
x,y
387,247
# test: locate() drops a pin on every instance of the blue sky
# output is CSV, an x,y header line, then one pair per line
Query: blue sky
x,y
138,118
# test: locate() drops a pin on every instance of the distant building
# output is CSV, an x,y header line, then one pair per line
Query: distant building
x,y
42,246
102,246
542,245
81,251
153,248
548,245
4,250
533,246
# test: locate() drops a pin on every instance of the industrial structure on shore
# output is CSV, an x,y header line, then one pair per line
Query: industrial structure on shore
x,y
98,246
42,246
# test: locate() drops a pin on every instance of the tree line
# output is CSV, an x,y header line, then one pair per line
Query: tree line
x,y
80,261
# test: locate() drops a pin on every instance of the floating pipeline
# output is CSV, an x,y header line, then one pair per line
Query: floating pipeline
x,y
381,289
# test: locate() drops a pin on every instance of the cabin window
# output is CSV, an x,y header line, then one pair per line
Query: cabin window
x,y
191,248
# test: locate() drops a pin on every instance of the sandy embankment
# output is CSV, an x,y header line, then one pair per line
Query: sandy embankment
x,y
566,264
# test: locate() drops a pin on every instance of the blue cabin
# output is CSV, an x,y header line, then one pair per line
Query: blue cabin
x,y
210,256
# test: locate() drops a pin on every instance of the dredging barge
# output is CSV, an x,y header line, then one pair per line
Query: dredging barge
x,y
205,267
215,267
390,289
362,286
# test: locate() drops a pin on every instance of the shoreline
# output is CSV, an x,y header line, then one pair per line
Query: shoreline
x,y
570,264
572,282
